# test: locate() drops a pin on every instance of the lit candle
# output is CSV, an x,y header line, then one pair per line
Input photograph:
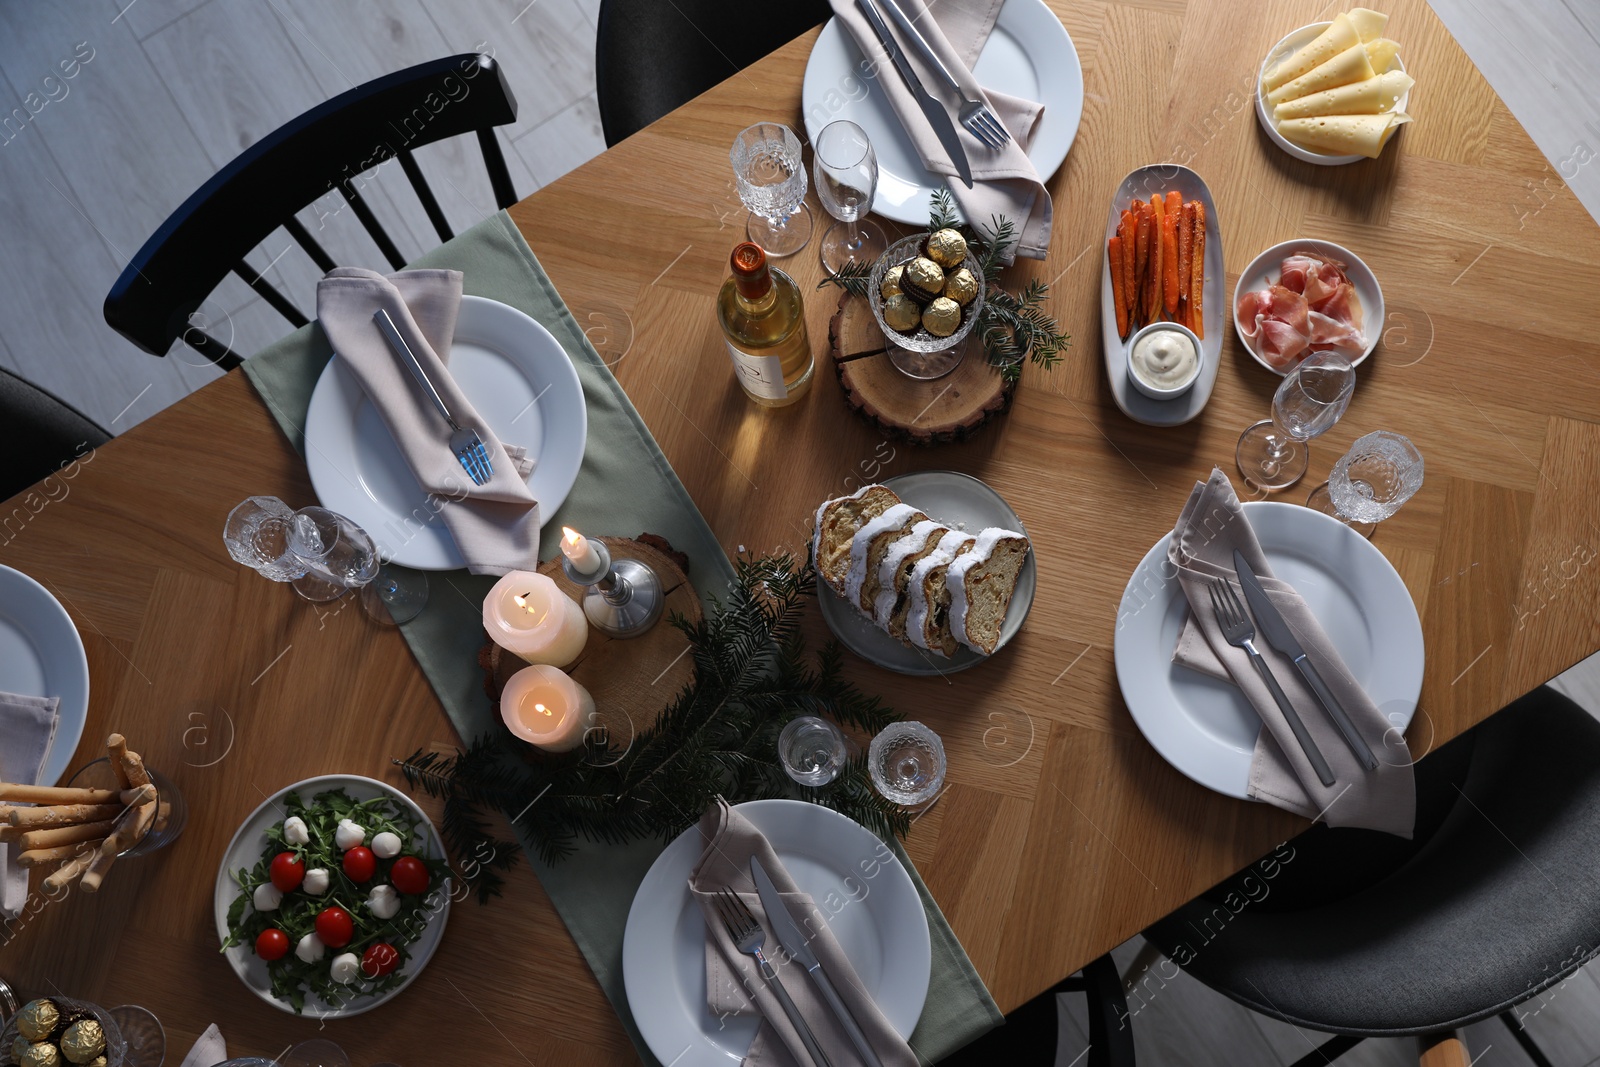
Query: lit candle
x,y
545,707
577,548
527,613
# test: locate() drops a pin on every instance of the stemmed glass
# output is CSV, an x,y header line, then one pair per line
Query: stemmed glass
x,y
1273,453
1381,471
906,762
812,750
847,177
772,183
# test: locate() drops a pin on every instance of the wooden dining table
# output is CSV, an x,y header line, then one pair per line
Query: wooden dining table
x,y
1062,833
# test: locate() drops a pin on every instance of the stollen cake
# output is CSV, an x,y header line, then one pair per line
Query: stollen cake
x,y
928,601
867,549
889,605
980,583
837,522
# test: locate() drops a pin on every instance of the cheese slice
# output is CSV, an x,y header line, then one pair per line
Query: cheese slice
x,y
1344,135
1348,66
1381,53
1371,97
1369,24
1339,35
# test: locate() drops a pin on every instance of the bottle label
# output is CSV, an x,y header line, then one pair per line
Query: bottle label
x,y
760,375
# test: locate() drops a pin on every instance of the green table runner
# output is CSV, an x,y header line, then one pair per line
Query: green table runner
x,y
624,487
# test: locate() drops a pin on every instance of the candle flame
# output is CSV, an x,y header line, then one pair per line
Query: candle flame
x,y
541,709
573,537
521,600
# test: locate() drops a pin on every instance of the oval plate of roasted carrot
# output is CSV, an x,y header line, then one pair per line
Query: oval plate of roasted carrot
x,y
1162,261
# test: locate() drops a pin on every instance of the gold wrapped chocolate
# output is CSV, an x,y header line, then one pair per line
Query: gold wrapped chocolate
x,y
38,1019
922,280
900,313
43,1054
961,286
98,1061
83,1041
947,248
942,317
891,281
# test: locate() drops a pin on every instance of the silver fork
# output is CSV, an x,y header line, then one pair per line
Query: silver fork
x,y
747,933
1240,632
975,114
466,444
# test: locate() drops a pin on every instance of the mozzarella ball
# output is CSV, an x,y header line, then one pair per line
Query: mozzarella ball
x,y
295,832
316,881
349,834
386,846
344,968
266,897
383,901
310,949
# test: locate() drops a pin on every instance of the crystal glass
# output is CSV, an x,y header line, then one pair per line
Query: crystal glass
x,y
771,177
1273,453
847,177
812,750
1381,471
906,762
97,774
257,535
147,1040
921,355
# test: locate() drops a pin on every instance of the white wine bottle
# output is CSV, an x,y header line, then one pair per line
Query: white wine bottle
x,y
764,324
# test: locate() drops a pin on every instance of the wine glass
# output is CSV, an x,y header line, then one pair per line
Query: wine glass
x,y
906,762
812,750
847,176
1273,453
1381,471
772,183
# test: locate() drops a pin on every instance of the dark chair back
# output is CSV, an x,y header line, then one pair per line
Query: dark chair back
x,y
329,147
651,56
39,434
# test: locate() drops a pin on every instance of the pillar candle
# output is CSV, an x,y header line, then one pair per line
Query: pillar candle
x,y
527,614
545,707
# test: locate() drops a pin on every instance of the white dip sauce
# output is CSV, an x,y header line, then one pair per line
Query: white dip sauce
x,y
1164,359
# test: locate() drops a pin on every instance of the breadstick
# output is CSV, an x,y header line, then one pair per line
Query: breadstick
x,y
117,750
41,856
9,833
66,835
133,764
163,813
47,794
64,814
125,835
68,872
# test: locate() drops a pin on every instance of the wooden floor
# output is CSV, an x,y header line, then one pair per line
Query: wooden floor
x,y
173,89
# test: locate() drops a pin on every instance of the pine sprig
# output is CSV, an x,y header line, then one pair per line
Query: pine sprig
x,y
717,736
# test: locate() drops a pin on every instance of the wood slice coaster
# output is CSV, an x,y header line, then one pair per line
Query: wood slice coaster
x,y
631,680
946,409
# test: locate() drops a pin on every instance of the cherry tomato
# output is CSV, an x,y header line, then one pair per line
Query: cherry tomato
x,y
273,944
359,864
379,960
287,872
335,927
409,875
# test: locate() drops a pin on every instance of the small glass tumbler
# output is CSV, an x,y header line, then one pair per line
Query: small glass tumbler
x,y
847,178
147,1040
907,763
97,774
812,750
771,177
1368,484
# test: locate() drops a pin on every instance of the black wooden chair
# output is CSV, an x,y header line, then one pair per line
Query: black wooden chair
x,y
652,56
327,148
39,434
1495,900
1028,1038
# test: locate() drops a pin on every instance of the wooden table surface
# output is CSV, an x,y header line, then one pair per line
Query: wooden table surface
x,y
1062,833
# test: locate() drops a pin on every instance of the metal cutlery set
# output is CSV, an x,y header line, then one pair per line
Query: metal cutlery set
x,y
465,443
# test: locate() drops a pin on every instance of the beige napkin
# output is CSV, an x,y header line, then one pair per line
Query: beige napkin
x,y
209,1049
1211,526
732,976
27,728
1004,181
495,526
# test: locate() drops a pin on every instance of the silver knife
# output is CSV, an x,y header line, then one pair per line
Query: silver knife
x,y
797,945
944,126
1280,637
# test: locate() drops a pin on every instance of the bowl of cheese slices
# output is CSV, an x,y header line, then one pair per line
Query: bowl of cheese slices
x,y
1334,92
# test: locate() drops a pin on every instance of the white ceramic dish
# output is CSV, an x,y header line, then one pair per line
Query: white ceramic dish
x,y
518,378
881,925
1144,183
245,851
1265,269
1203,726
1282,50
1156,392
42,655
1029,55
960,501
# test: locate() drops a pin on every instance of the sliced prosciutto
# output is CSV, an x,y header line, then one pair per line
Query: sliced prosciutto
x,y
1311,308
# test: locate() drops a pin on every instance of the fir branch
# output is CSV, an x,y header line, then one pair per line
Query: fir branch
x,y
942,211
854,278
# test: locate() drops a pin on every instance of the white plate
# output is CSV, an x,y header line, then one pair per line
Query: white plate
x,y
1029,55
245,851
518,378
1203,726
1144,183
960,501
42,655
881,926
1282,50
1266,268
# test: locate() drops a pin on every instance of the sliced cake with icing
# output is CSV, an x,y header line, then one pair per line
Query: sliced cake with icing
x,y
867,550
927,622
836,525
889,603
980,584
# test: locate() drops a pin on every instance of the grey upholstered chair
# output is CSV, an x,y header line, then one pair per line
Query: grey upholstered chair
x,y
1363,935
39,433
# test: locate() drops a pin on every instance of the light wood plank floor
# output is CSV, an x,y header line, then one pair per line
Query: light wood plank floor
x,y
173,89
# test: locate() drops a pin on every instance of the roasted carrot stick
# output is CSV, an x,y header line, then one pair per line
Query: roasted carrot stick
x,y
1174,203
1153,294
1197,273
1141,257
1169,264
1118,286
1185,257
1126,230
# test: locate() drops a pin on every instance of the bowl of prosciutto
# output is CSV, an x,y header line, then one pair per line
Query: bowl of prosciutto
x,y
1306,296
